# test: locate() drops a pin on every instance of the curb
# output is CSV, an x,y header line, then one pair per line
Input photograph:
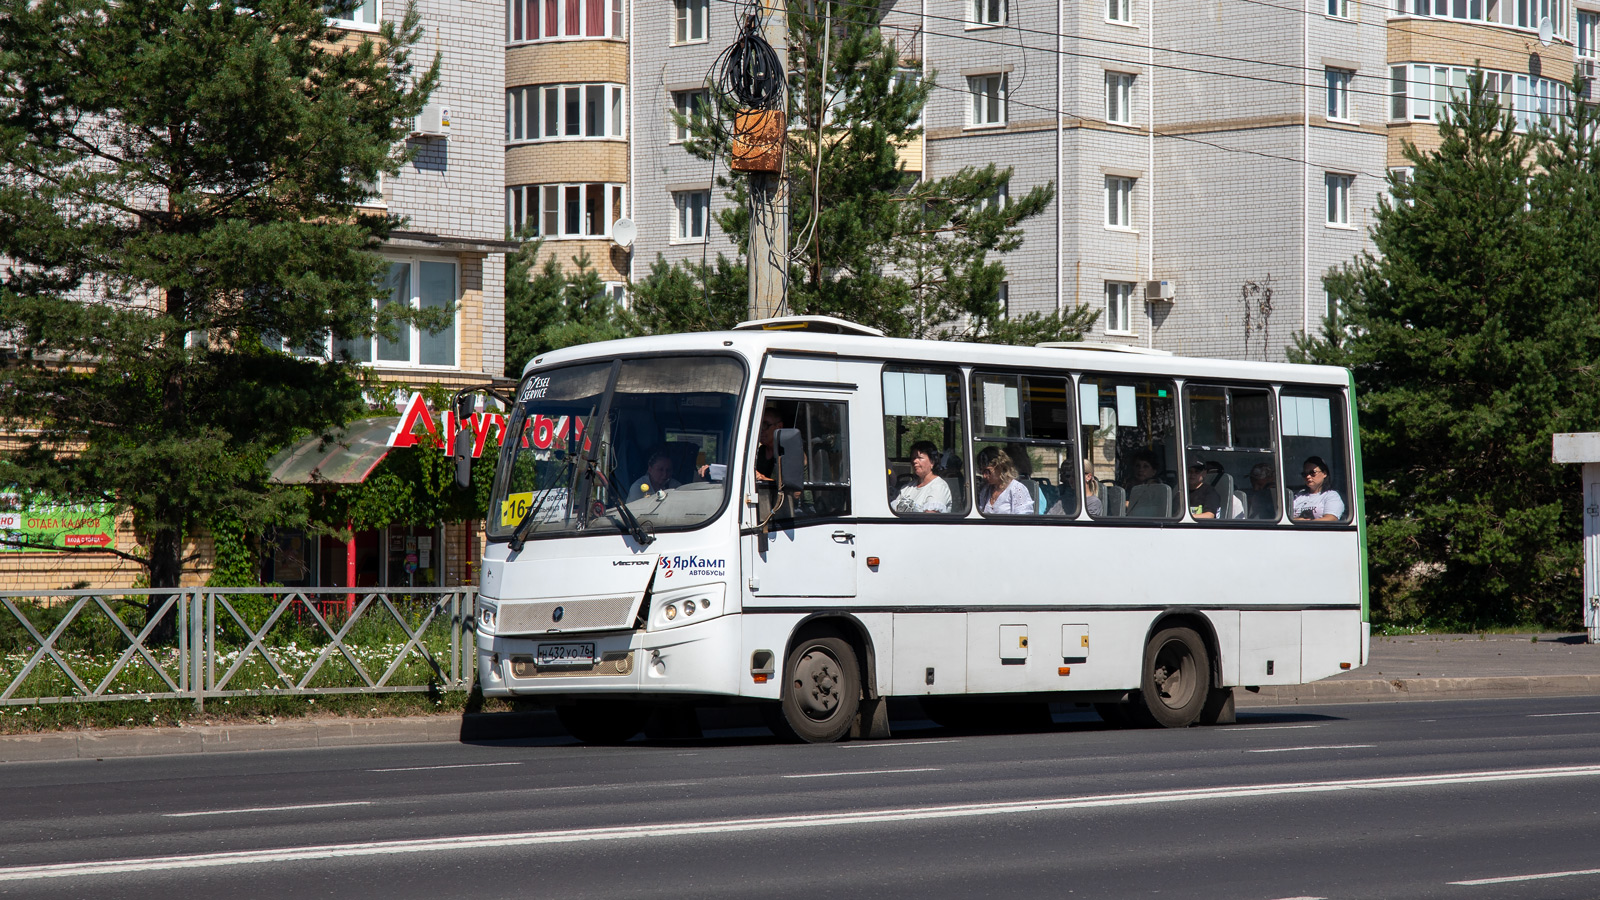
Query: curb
x,y
1401,689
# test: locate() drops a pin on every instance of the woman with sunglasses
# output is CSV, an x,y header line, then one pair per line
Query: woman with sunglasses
x,y
1316,502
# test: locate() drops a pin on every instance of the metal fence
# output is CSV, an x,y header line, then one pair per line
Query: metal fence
x,y
200,643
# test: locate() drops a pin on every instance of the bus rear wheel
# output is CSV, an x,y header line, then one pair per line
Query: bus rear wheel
x,y
1175,679
821,689
603,721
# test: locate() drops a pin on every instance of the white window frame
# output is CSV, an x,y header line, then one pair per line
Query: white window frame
x,y
620,295
528,109
411,335
690,215
1004,296
527,21
1119,12
1119,202
1338,94
988,13
1119,307
990,100
1521,15
549,207
1588,25
691,21
903,75
1423,92
364,17
1337,9
1119,98
685,103
1337,186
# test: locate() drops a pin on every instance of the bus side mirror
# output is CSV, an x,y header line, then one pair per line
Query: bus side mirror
x,y
464,457
791,459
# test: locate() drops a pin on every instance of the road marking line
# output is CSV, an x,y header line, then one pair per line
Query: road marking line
x,y
866,772
1559,715
1302,898
1510,878
255,809
869,744
455,766
1323,747
480,842
1272,728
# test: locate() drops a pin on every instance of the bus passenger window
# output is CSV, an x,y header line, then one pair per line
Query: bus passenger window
x,y
924,434
1229,453
1129,430
1028,419
1316,466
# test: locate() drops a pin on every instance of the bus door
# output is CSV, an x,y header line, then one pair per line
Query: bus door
x,y
801,541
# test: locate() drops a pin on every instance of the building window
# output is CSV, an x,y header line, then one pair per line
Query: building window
x,y
688,104
1338,198
1339,9
421,284
908,77
988,100
556,211
1119,307
1425,95
565,112
690,16
1119,11
1119,202
1005,299
1119,98
357,13
1524,14
1338,81
1588,23
693,210
987,12
551,20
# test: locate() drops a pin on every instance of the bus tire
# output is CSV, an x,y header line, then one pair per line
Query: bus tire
x,y
1175,680
821,689
605,722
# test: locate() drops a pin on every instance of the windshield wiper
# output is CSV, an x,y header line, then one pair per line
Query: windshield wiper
x,y
519,535
635,527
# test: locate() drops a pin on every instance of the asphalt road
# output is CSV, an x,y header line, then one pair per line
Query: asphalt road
x,y
1369,800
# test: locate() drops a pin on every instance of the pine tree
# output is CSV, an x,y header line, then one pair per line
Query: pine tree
x,y
1473,333
179,183
547,309
873,244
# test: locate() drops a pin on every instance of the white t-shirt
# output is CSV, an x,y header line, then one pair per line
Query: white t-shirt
x,y
931,497
1013,500
1327,503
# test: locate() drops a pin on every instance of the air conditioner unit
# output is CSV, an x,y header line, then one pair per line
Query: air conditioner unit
x,y
1159,291
432,122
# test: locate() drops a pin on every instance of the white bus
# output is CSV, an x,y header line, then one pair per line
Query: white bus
x,y
806,515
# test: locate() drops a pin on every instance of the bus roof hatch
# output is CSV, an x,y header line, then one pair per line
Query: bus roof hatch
x,y
815,324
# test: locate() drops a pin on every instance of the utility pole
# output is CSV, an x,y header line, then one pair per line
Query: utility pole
x,y
769,195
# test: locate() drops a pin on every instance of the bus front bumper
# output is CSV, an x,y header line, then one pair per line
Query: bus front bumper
x,y
690,659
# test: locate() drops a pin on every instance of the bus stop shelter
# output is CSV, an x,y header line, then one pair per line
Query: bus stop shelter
x,y
1583,447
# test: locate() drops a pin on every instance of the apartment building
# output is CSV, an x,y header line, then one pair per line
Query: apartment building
x,y
1213,160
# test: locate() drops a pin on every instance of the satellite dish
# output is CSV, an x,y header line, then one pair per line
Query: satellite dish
x,y
623,231
1546,30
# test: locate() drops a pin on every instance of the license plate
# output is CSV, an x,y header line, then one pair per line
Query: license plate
x,y
565,655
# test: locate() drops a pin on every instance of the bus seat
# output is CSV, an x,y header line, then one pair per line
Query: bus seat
x,y
683,455
1150,501
1113,499
1048,495
1224,488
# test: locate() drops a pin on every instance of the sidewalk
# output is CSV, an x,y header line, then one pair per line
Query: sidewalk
x,y
1413,667
1439,666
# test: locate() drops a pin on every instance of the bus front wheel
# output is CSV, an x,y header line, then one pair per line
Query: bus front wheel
x,y
821,689
1175,680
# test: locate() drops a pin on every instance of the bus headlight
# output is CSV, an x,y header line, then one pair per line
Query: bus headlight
x,y
671,610
699,602
487,614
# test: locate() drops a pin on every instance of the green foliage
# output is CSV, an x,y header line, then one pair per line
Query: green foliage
x,y
236,563
1473,334
547,309
180,181
913,257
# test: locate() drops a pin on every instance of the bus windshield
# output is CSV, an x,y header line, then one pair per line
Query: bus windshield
x,y
662,451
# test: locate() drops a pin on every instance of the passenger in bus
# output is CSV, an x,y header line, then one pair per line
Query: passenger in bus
x,y
1262,497
1316,502
1002,494
1203,500
657,475
928,493
1091,491
1145,469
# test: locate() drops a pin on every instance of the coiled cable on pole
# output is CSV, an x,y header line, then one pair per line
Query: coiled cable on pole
x,y
749,69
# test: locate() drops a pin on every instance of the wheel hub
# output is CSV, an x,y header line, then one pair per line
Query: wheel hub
x,y
817,683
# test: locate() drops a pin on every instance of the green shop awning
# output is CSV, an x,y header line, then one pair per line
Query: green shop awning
x,y
345,456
